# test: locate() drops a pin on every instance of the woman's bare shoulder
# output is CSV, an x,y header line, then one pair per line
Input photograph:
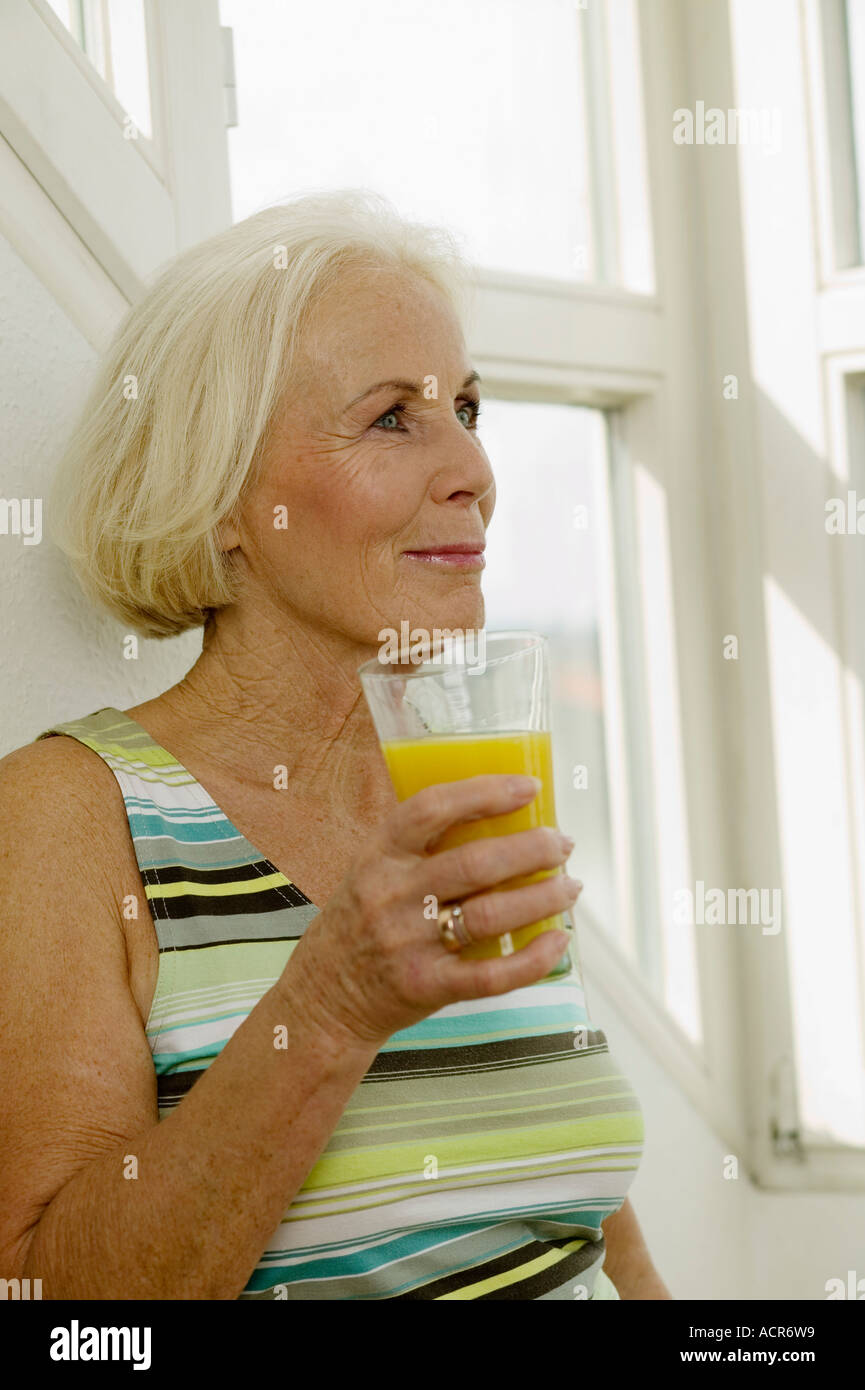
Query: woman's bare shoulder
x,y
68,866
56,795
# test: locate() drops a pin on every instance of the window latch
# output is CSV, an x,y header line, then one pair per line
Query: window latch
x,y
784,1119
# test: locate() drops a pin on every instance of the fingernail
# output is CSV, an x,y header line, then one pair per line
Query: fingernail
x,y
567,842
525,786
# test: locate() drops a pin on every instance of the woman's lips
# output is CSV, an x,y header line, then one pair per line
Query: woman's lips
x,y
448,559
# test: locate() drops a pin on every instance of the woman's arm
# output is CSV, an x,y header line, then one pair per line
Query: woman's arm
x,y
99,1199
628,1262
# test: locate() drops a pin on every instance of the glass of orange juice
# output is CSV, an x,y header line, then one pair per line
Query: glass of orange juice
x,y
471,703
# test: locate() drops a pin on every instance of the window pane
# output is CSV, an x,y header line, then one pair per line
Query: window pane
x,y
635,268
545,571
69,13
855,21
668,950
842,39
130,77
467,115
113,35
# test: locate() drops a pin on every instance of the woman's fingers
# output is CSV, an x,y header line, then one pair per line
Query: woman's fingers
x,y
424,817
480,864
491,914
476,979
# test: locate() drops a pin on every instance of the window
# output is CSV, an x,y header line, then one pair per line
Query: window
x,y
834,1110
577,548
836,34
113,35
854,16
488,134
803,757
548,568
537,158
108,72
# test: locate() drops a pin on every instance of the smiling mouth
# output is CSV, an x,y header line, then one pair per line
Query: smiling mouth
x,y
449,557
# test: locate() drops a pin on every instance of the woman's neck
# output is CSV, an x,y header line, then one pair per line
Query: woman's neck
x,y
287,697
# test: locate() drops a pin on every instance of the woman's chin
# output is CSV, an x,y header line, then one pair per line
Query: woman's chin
x,y
453,617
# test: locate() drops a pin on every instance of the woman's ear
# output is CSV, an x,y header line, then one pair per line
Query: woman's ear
x,y
228,537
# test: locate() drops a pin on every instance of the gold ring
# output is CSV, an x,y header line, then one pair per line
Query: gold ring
x,y
452,927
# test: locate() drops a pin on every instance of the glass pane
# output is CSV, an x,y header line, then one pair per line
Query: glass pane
x,y
635,268
467,115
855,21
69,14
113,35
545,570
130,77
670,949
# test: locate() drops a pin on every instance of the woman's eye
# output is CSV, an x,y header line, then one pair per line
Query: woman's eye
x,y
392,414
473,409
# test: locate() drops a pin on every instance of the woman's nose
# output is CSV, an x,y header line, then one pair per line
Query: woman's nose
x,y
460,466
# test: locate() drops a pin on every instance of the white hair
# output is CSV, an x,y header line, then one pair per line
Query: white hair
x,y
179,411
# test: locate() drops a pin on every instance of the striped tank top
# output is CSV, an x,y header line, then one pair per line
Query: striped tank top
x,y
484,1146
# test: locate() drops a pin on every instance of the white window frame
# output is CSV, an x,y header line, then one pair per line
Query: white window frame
x,y
839,235
657,365
741,462
133,202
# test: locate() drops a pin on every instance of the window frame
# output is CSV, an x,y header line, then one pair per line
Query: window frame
x,y
133,202
648,360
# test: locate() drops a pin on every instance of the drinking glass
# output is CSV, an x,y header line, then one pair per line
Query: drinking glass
x,y
468,708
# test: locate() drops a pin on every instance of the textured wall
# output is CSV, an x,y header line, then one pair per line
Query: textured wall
x,y
61,658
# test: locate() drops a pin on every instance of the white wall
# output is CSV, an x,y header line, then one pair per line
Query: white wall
x,y
61,659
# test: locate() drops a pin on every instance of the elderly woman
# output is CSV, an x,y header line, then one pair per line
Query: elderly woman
x,y
239,1060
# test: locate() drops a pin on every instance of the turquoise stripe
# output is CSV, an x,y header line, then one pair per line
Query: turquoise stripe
x,y
141,826
547,1018
372,1254
167,1061
292,1273
368,1262
583,1222
472,1027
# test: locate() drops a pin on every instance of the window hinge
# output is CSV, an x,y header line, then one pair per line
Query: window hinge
x,y
229,86
784,1119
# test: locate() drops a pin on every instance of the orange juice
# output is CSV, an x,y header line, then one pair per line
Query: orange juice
x,y
415,763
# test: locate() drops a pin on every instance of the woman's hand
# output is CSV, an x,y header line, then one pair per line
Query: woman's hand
x,y
372,962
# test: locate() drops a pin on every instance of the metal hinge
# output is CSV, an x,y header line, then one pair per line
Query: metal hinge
x,y
229,86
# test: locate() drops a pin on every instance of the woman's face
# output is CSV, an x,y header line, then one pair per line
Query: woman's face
x,y
369,472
